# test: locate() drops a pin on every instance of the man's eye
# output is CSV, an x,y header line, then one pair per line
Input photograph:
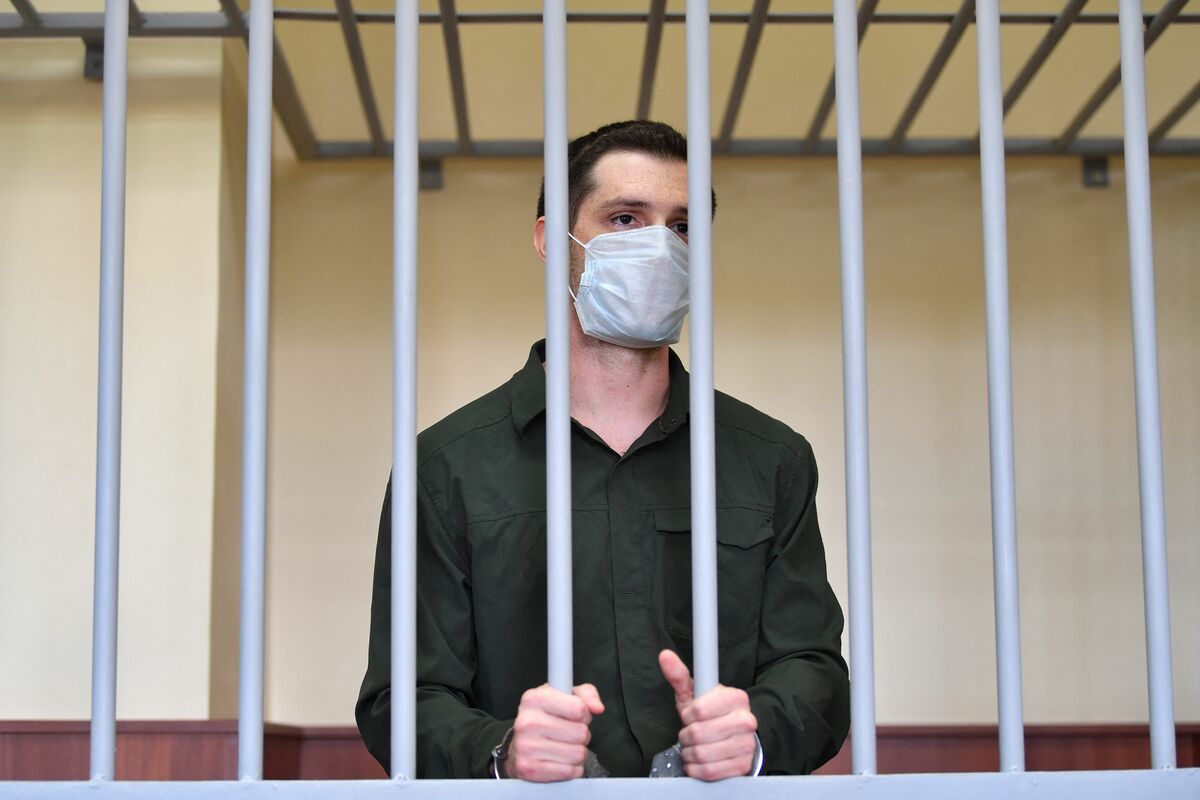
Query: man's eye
x,y
681,228
623,219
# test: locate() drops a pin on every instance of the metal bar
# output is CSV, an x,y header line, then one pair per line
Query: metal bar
x,y
866,15
254,408
1175,784
1145,373
29,14
854,392
91,25
532,148
454,62
208,24
559,630
108,411
999,367
362,78
404,397
1176,113
718,18
1157,25
136,18
1062,22
654,29
701,420
233,13
289,108
754,30
958,26
283,88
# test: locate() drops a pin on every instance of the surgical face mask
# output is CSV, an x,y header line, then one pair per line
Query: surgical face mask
x,y
634,287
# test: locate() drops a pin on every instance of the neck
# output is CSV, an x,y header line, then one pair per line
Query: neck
x,y
616,391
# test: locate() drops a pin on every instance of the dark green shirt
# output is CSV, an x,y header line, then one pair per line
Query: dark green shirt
x,y
481,583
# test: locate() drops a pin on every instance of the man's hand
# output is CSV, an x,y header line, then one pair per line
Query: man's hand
x,y
551,734
717,738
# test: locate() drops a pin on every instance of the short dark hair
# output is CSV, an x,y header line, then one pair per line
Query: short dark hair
x,y
631,136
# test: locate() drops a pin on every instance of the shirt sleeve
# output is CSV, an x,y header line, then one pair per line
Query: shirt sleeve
x,y
801,692
454,738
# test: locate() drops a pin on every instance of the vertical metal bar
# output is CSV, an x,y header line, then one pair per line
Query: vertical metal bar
x,y
1145,373
825,106
405,177
995,248
854,388
254,401
701,422
558,354
1158,25
108,412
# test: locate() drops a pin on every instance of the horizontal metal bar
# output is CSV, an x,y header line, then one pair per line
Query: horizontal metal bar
x,y
1154,28
1164,784
718,18
74,25
29,14
1176,113
532,148
79,25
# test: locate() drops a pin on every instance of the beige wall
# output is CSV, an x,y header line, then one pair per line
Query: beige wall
x,y
49,227
778,335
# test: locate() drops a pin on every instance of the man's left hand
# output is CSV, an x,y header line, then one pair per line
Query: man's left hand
x,y
717,738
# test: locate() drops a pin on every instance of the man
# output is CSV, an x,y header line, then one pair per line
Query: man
x,y
482,705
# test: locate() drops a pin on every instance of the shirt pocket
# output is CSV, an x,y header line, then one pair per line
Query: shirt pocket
x,y
743,542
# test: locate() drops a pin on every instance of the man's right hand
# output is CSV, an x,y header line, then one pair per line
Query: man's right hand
x,y
551,734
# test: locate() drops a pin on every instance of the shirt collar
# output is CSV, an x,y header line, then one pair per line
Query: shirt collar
x,y
528,391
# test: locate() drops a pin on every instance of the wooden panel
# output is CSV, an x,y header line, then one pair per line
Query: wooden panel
x,y
207,750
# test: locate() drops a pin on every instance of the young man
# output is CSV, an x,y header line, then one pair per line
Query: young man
x,y
482,705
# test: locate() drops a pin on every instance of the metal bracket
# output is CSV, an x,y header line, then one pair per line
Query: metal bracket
x,y
430,174
1095,172
93,58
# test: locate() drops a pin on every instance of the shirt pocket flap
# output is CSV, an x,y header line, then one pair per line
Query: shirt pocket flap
x,y
673,520
739,527
744,527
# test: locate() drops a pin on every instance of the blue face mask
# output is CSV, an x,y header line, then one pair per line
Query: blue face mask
x,y
634,287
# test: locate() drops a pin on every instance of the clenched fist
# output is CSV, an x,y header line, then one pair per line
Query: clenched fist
x,y
551,733
718,736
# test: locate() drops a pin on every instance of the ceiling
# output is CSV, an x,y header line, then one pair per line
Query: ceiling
x,y
781,90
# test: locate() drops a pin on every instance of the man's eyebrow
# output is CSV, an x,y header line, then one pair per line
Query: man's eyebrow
x,y
633,202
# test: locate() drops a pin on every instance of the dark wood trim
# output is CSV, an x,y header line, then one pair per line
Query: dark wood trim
x,y
207,749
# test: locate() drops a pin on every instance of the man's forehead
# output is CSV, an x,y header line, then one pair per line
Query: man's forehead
x,y
639,177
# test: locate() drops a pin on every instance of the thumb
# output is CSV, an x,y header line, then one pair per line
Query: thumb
x,y
590,697
677,674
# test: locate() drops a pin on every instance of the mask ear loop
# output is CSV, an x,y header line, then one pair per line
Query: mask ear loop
x,y
584,246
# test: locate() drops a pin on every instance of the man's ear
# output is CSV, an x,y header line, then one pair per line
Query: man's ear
x,y
539,238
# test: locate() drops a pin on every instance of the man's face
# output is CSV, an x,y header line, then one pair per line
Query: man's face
x,y
632,190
